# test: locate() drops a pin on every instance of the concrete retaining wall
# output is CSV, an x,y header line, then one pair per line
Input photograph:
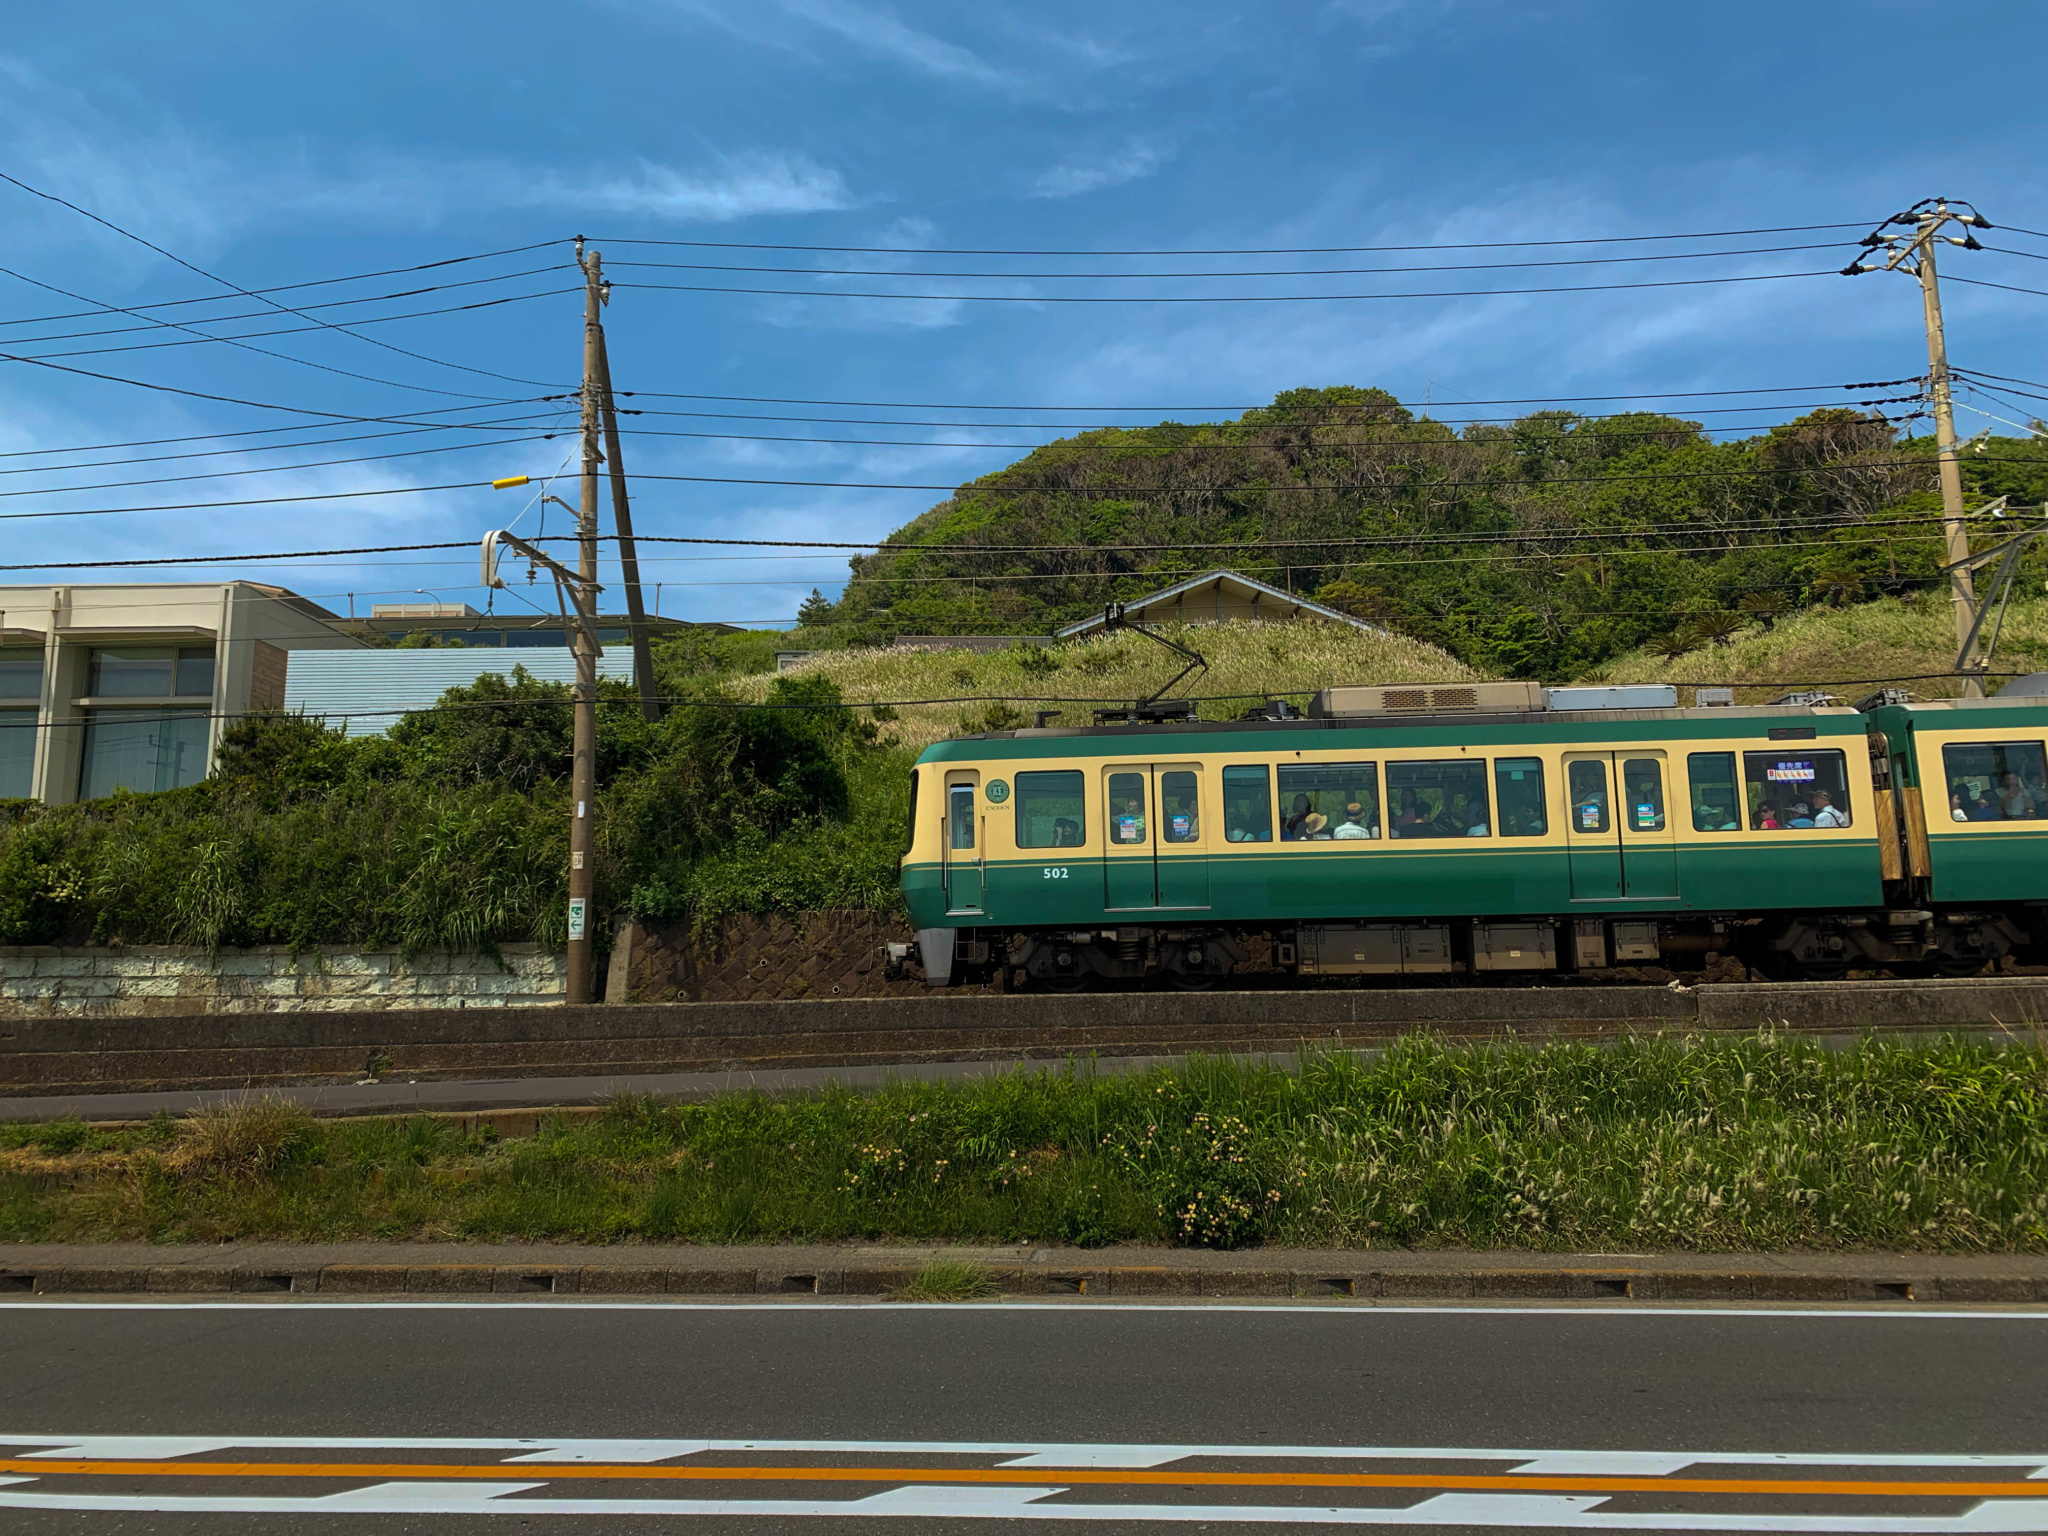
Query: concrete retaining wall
x,y
81,1054
42,982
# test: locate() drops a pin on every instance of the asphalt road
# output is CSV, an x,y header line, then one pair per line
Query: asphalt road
x,y
995,1419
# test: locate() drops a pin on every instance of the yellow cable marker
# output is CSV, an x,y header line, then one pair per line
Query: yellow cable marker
x,y
507,484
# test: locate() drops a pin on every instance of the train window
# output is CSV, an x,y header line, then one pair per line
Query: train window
x,y
1996,781
910,836
1716,797
1247,804
1050,813
1518,790
960,815
1796,790
1329,802
1438,799
1127,807
1642,785
1180,809
1587,782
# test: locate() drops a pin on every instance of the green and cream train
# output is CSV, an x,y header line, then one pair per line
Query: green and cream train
x,y
1495,827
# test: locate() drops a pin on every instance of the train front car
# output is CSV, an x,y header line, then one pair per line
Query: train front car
x,y
1483,828
1971,779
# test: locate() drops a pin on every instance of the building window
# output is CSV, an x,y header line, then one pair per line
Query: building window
x,y
142,750
152,672
21,675
17,753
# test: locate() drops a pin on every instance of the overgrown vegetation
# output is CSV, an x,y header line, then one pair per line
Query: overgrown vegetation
x,y
452,832
1619,531
1708,1145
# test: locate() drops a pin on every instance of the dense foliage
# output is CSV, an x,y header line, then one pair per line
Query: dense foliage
x,y
452,831
1620,531
1711,1145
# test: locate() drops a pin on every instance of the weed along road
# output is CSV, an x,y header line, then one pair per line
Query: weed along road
x,y
567,1414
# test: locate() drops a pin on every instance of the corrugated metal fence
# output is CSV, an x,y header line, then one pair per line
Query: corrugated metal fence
x,y
365,692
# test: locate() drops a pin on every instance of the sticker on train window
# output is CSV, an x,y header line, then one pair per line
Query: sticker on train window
x,y
1183,828
1589,817
1791,773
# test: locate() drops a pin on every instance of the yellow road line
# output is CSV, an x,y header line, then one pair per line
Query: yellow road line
x,y
1036,1477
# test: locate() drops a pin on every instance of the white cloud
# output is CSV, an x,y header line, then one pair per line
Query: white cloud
x,y
881,33
741,186
1071,178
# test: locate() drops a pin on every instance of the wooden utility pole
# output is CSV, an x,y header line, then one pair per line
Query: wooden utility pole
x,y
629,552
1914,253
583,766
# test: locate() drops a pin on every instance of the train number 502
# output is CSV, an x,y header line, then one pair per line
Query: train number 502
x,y
1055,872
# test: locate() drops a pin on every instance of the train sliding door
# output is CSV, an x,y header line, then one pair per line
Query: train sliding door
x,y
961,846
1618,831
1157,851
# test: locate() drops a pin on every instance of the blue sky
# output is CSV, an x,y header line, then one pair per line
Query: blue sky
x,y
279,144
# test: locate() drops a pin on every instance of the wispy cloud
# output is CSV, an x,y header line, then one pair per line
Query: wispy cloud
x,y
1071,178
739,186
880,32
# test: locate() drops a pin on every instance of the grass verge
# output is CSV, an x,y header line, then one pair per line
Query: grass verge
x,y
943,1280
1757,1143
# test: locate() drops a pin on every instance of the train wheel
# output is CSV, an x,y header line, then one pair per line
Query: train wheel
x,y
1955,965
1073,981
1821,970
1191,981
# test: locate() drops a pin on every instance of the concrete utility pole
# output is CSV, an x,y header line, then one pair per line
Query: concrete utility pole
x,y
1914,254
583,766
629,552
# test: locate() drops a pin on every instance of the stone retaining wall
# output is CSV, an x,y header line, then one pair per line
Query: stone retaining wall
x,y
45,982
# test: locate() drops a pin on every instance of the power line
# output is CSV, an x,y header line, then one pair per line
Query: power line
x,y
506,424
248,294
1237,298
230,341
318,282
300,426
1978,282
299,330
1305,250
941,405
883,547
253,501
141,311
275,469
261,405
1476,266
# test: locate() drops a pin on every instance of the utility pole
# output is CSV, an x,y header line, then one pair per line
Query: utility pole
x,y
629,552
1914,254
583,766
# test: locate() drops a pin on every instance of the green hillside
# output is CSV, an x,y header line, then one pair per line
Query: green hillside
x,y
1544,548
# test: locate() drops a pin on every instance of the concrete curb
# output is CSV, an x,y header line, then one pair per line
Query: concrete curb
x,y
1911,1280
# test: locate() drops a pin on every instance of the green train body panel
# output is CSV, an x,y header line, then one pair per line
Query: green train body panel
x,y
1252,884
1987,863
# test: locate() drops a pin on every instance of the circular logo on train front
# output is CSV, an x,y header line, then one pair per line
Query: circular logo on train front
x,y
998,791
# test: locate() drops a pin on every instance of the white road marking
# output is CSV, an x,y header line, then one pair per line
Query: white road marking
x,y
1053,1454
130,1447
1507,1511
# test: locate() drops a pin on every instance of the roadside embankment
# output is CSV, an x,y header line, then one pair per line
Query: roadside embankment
x,y
1704,1144
77,1055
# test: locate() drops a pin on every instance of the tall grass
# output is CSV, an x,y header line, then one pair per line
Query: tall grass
x,y
1256,661
1861,647
1653,1143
